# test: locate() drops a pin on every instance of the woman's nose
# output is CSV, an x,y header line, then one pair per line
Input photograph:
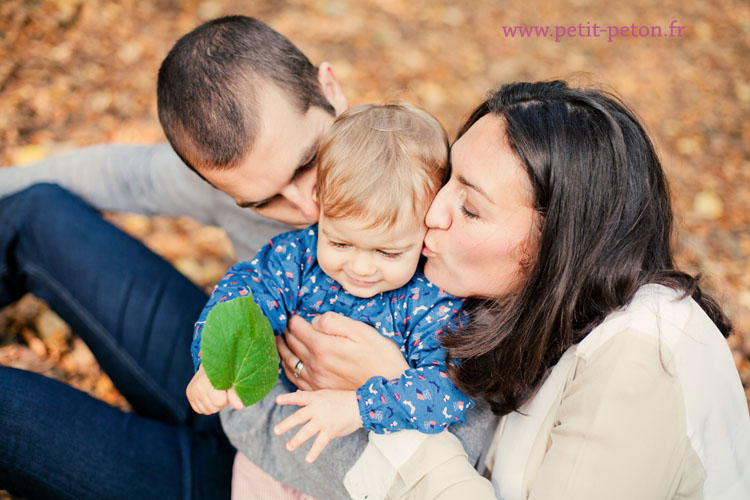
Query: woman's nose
x,y
438,216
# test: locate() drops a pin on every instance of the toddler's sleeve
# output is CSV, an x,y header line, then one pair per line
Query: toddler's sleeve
x,y
274,278
423,398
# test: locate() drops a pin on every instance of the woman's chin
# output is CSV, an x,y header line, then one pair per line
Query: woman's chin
x,y
434,272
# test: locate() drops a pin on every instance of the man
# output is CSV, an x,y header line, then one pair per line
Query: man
x,y
265,166
133,309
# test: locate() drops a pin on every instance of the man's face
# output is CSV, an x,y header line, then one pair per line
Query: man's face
x,y
278,176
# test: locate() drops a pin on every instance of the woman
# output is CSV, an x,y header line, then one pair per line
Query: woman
x,y
608,363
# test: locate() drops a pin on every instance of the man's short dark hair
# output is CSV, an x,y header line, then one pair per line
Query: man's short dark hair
x,y
209,82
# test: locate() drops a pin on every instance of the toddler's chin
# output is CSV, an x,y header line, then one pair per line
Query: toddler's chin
x,y
362,294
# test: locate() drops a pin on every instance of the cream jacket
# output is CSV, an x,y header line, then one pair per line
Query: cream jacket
x,y
648,406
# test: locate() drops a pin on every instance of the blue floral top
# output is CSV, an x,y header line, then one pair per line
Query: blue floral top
x,y
285,279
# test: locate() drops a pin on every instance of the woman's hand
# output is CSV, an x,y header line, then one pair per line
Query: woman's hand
x,y
337,353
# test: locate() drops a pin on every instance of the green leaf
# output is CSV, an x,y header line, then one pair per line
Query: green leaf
x,y
238,349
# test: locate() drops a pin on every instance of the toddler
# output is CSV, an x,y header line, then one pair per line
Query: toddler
x,y
379,168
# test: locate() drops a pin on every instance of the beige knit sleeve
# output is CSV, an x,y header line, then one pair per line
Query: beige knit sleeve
x,y
619,432
439,470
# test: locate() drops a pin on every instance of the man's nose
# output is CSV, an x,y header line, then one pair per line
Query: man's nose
x,y
302,200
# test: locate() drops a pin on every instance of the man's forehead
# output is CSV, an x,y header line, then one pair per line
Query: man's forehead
x,y
286,141
284,134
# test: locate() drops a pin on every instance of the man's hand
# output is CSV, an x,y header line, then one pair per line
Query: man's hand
x,y
337,352
205,399
329,414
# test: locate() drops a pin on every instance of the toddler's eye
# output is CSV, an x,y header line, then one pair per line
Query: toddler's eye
x,y
390,255
336,244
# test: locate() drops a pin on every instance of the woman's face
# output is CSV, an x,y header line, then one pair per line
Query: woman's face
x,y
481,233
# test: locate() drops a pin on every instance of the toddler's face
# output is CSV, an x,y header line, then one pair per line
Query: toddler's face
x,y
367,261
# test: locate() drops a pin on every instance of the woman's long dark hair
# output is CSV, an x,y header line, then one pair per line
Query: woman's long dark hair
x,y
605,224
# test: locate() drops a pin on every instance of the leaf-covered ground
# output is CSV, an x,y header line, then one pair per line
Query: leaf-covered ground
x,y
75,72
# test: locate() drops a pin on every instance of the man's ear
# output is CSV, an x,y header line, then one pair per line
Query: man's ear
x,y
331,88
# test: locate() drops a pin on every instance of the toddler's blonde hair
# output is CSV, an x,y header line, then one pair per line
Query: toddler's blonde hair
x,y
378,159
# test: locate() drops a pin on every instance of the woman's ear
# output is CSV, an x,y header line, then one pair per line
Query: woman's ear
x,y
331,88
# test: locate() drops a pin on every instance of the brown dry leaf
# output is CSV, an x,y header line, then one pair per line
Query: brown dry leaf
x,y
28,154
36,345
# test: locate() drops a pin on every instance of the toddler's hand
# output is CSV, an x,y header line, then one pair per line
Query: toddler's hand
x,y
328,413
205,399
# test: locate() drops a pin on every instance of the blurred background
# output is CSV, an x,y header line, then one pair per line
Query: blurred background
x,y
75,72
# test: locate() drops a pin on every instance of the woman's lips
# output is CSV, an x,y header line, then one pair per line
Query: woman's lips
x,y
427,251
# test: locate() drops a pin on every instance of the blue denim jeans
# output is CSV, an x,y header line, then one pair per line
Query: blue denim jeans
x,y
135,312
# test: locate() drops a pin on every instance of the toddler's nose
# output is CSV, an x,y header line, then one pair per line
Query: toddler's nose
x,y
362,265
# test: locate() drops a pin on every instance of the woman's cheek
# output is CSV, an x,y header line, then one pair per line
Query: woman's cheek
x,y
491,266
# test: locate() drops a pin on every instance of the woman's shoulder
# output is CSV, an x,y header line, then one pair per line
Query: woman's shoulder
x,y
661,313
675,336
663,339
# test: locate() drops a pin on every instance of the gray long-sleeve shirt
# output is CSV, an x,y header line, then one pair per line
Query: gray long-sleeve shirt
x,y
147,179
